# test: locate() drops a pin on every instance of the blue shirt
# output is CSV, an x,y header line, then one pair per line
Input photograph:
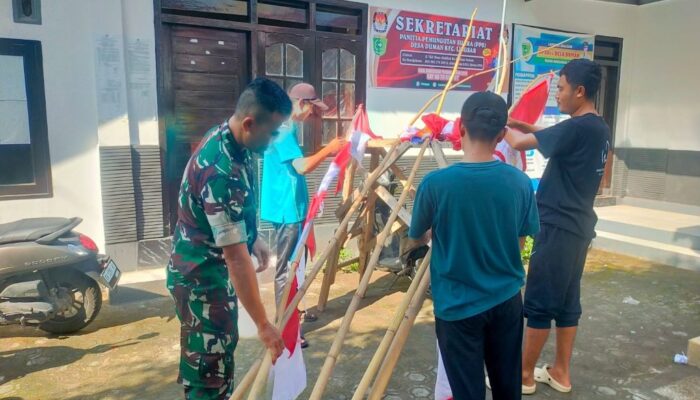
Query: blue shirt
x,y
478,212
284,197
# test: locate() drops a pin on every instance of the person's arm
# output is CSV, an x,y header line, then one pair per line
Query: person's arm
x,y
522,242
242,274
521,136
307,165
223,208
420,231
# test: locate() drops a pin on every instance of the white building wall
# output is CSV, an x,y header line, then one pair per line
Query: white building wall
x,y
71,114
664,111
68,36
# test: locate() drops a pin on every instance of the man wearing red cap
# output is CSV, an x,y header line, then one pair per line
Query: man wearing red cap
x,y
284,200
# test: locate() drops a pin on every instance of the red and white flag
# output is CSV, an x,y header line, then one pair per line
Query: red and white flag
x,y
289,371
360,133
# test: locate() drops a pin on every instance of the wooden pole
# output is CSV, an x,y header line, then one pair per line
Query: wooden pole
x,y
368,230
399,315
337,345
394,352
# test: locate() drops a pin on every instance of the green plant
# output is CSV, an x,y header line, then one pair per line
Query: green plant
x,y
526,252
345,256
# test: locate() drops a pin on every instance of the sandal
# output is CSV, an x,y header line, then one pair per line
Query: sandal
x,y
542,375
304,343
526,390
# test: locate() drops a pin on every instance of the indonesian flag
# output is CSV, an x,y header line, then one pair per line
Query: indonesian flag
x,y
360,133
289,371
529,108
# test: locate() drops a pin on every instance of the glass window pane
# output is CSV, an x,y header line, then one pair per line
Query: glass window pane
x,y
330,64
347,99
330,131
273,59
345,128
330,97
347,65
16,166
294,61
278,81
291,82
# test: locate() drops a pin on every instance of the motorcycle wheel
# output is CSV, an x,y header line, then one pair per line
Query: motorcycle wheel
x,y
79,300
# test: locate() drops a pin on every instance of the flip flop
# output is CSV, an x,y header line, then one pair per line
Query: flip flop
x,y
526,390
542,375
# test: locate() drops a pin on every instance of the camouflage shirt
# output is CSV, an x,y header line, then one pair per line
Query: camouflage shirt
x,y
217,208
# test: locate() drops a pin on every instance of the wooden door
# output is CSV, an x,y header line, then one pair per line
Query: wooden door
x,y
205,72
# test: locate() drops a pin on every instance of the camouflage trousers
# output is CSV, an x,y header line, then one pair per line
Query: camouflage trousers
x,y
208,314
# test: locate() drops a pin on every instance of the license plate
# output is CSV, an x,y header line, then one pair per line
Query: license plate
x,y
111,274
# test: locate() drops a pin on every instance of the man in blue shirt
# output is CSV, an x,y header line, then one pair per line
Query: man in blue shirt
x,y
478,213
284,200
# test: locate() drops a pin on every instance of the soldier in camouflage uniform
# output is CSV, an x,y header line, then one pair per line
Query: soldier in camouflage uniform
x,y
216,233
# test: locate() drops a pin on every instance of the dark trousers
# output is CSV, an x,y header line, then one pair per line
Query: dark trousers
x,y
553,290
286,237
494,338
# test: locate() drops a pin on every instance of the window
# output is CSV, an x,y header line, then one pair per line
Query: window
x,y
338,87
25,169
284,64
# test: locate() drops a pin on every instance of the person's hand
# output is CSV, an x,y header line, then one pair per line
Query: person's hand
x,y
513,123
262,253
271,338
336,145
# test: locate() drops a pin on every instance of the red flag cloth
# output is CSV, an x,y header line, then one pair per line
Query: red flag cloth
x,y
456,136
532,103
435,123
290,333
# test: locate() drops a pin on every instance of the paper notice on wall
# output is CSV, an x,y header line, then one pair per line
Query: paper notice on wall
x,y
140,79
109,76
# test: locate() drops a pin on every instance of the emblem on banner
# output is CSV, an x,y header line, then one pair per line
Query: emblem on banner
x,y
380,22
379,45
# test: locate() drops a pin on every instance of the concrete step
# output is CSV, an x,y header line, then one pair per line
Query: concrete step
x,y
677,256
688,237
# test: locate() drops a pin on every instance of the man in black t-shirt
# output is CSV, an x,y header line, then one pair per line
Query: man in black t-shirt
x,y
577,150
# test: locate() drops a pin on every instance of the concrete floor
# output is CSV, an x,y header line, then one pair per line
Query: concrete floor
x,y
624,351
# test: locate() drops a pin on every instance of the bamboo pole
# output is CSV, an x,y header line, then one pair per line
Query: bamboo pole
x,y
337,345
394,352
394,154
455,67
399,314
247,380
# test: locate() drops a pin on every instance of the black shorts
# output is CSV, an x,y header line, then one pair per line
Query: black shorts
x,y
553,290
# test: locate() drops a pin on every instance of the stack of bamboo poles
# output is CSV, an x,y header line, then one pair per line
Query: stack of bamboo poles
x,y
381,367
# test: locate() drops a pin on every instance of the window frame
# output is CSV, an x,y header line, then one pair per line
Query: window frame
x,y
30,51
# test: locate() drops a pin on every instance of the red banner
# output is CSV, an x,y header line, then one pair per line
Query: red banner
x,y
417,51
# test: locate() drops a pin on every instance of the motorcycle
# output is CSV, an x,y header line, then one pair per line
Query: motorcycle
x,y
50,275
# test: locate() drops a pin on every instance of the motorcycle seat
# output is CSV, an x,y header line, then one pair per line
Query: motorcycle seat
x,y
31,229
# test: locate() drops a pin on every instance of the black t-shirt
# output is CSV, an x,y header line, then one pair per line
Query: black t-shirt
x,y
577,150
